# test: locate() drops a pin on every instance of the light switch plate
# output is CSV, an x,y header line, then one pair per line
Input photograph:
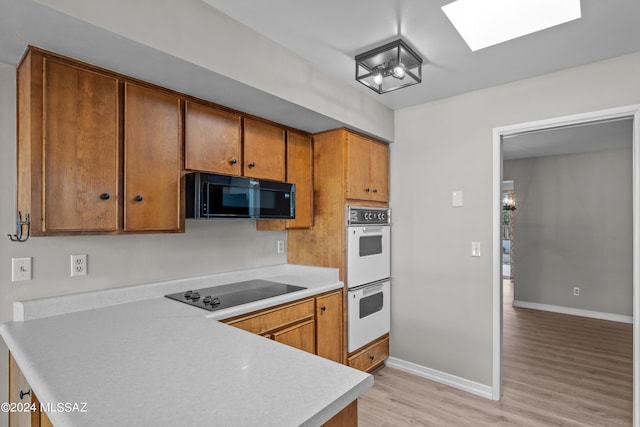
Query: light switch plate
x,y
475,248
456,199
20,269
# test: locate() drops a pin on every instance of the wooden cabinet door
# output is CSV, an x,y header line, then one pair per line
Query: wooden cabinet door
x,y
301,335
300,173
212,140
379,155
152,146
81,149
329,326
358,166
18,384
264,151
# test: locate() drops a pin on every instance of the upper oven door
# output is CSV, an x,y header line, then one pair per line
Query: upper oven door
x,y
368,254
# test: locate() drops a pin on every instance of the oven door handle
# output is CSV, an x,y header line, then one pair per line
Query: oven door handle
x,y
372,230
372,290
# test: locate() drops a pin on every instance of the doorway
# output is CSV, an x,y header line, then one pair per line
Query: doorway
x,y
499,135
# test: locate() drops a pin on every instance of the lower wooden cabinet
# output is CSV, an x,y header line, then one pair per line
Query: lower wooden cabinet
x,y
20,393
370,357
329,326
300,335
348,417
311,324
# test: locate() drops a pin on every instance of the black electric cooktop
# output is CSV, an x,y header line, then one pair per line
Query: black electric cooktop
x,y
225,296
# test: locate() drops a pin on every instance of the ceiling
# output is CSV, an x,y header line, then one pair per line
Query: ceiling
x,y
330,33
589,137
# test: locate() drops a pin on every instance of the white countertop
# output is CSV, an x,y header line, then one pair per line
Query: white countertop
x,y
155,361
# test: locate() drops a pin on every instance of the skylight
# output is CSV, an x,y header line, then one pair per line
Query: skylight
x,y
484,23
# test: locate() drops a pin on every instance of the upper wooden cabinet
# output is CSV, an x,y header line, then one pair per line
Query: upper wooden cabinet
x,y
300,173
367,169
85,135
213,140
264,151
152,144
68,147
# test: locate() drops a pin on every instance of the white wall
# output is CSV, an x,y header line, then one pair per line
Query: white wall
x,y
573,227
208,246
442,297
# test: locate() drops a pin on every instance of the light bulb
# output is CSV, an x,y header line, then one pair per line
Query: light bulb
x,y
398,72
377,79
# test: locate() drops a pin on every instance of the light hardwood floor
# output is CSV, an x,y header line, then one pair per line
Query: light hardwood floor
x,y
559,370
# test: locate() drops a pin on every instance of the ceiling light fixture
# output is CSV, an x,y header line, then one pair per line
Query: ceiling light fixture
x,y
389,67
484,23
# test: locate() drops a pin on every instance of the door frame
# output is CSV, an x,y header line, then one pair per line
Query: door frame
x,y
631,111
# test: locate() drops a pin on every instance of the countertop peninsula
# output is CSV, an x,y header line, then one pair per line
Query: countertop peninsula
x,y
137,358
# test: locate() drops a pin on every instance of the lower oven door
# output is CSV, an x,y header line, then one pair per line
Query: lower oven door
x,y
369,314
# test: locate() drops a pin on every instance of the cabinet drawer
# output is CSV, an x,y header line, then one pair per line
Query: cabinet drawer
x,y
272,319
371,356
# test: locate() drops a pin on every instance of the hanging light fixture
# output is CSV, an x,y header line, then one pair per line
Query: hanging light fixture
x,y
389,67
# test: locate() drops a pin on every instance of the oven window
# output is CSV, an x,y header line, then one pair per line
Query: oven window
x,y
370,245
371,304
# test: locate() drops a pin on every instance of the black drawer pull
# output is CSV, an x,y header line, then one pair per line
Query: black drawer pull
x,y
23,394
105,196
138,198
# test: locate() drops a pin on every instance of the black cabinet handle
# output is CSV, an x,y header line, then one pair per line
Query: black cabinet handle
x,y
233,161
105,196
23,394
372,357
323,308
375,190
367,190
252,164
138,198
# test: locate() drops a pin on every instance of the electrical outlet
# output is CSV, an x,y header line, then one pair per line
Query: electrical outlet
x,y
79,265
280,246
21,269
576,291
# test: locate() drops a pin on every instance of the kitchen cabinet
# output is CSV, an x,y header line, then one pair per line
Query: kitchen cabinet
x,y
367,169
291,324
97,153
370,357
337,168
301,335
300,173
68,146
264,150
313,324
152,155
345,165
213,139
20,393
329,322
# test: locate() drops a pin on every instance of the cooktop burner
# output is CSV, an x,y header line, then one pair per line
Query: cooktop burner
x,y
225,296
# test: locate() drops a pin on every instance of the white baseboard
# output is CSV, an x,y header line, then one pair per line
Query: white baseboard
x,y
441,377
574,311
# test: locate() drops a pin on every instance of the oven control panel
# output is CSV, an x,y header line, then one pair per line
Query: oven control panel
x,y
357,215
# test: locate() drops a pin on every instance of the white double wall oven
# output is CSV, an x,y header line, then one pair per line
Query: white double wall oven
x,y
368,274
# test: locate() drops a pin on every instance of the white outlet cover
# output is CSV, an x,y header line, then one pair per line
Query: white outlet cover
x,y
79,265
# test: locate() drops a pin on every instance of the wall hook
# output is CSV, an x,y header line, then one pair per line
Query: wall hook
x,y
19,237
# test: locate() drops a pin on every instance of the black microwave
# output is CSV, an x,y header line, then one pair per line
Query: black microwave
x,y
222,196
